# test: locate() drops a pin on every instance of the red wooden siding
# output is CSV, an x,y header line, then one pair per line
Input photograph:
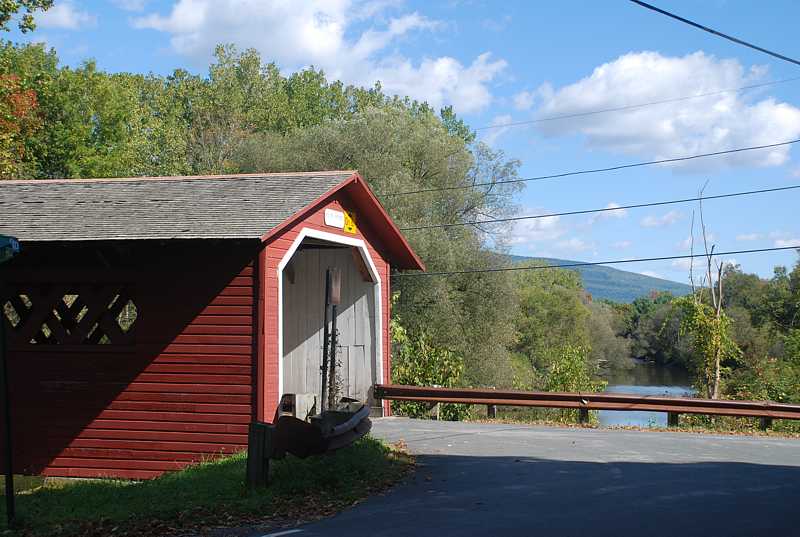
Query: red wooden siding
x,y
276,248
181,392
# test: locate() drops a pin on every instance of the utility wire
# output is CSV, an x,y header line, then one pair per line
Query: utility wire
x,y
715,32
591,264
595,170
634,106
602,210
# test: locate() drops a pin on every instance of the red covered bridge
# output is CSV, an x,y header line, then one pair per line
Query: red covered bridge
x,y
151,319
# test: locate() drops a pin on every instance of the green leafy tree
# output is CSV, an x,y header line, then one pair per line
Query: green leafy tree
x,y
10,8
570,371
712,341
609,349
417,362
551,313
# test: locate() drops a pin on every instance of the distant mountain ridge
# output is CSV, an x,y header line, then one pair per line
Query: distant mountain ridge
x,y
610,283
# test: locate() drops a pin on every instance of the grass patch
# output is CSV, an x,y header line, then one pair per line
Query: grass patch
x,y
210,494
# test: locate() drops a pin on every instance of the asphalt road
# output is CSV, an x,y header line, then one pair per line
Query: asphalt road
x,y
495,479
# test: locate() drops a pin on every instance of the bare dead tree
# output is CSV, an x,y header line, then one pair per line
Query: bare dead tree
x,y
714,287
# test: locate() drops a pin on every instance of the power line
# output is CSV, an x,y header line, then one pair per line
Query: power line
x,y
604,209
594,263
594,170
715,32
634,106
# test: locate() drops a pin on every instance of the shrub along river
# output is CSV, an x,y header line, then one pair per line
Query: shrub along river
x,y
645,379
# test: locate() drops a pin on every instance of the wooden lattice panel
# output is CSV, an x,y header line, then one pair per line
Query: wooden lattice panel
x,y
67,314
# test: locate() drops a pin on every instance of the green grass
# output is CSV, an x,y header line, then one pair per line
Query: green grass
x,y
210,494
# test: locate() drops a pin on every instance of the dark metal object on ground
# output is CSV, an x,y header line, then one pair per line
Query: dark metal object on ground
x,y
322,433
590,401
9,247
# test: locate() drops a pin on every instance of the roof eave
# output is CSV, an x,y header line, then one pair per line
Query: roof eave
x,y
403,256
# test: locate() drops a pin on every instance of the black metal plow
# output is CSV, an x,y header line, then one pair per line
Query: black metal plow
x,y
318,434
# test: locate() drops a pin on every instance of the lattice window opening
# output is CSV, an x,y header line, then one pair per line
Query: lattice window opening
x,y
93,316
16,309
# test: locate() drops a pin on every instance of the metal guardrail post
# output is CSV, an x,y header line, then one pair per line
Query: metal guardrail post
x,y
491,411
765,423
583,415
673,419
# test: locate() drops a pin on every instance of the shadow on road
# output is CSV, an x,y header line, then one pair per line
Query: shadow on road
x,y
477,495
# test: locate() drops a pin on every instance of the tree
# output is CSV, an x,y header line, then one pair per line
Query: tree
x,y
417,362
9,8
18,120
400,147
705,320
609,349
552,313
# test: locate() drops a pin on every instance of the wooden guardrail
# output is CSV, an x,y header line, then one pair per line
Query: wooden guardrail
x,y
586,401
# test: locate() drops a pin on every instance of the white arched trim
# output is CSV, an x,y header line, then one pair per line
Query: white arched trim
x,y
347,241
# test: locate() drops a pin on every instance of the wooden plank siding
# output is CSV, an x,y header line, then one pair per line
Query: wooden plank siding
x,y
182,392
276,248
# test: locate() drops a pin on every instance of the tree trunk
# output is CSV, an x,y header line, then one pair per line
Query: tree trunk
x,y
717,376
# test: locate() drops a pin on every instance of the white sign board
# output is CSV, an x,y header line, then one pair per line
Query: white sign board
x,y
334,218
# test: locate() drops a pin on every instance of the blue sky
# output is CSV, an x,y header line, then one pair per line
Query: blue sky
x,y
514,61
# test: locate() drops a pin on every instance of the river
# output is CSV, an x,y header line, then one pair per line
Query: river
x,y
644,379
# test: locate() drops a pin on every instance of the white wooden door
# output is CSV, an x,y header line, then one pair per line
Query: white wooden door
x,y
303,303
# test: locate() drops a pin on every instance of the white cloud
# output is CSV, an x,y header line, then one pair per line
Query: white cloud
x,y
686,243
685,264
698,266
524,100
131,5
526,232
574,245
666,219
320,33
701,125
749,237
497,25
606,215
65,16
783,243
621,245
492,135
651,273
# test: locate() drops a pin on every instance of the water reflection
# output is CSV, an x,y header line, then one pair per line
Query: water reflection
x,y
645,379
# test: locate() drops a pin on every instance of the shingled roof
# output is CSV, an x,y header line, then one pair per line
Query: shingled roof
x,y
207,207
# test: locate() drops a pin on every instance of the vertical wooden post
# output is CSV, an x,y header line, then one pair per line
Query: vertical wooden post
x,y
259,450
9,447
583,415
673,419
491,411
765,423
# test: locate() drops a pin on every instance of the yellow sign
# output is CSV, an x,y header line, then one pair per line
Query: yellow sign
x,y
350,223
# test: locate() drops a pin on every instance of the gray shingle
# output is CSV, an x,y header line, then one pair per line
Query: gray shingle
x,y
231,207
